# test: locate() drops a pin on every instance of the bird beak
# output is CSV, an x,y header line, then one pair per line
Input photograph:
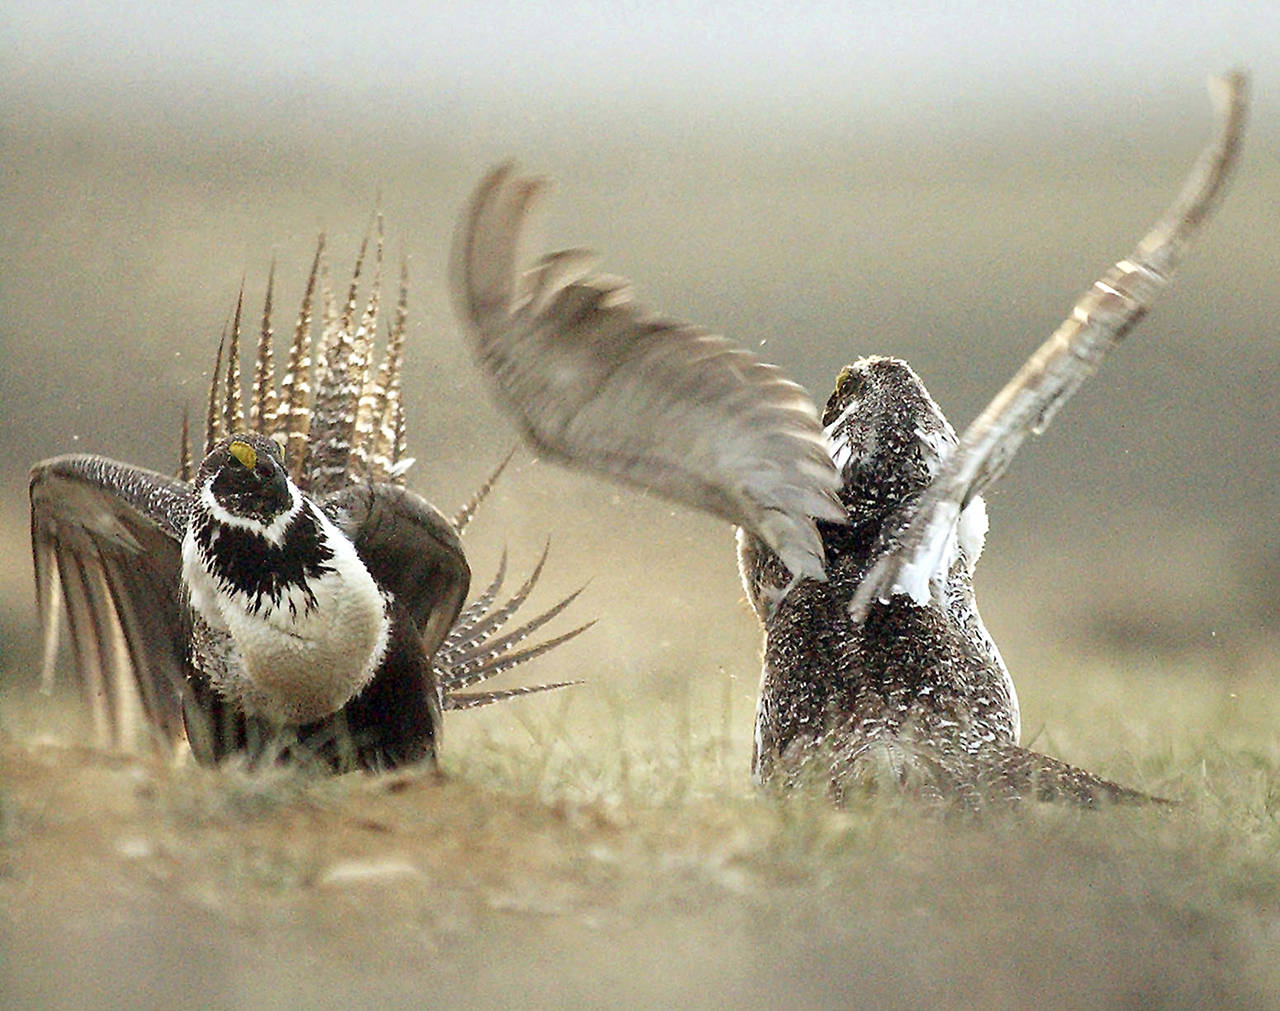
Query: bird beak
x,y
245,453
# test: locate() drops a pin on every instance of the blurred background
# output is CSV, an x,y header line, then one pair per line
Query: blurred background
x,y
821,181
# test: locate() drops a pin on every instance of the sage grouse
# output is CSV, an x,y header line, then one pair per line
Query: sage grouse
x,y
875,657
290,599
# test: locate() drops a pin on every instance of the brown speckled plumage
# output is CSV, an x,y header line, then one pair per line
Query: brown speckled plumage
x,y
920,687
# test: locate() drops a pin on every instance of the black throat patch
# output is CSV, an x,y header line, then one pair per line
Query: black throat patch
x,y
242,561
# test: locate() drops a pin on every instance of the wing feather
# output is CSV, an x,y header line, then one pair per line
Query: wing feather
x,y
411,551
106,545
595,381
1099,321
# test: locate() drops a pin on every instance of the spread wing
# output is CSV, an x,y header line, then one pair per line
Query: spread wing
x,y
410,549
106,541
1099,321
593,380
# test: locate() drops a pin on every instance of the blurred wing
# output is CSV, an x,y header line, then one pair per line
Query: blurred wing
x,y
106,541
1099,321
596,382
410,549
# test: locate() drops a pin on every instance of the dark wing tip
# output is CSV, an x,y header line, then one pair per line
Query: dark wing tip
x,y
486,244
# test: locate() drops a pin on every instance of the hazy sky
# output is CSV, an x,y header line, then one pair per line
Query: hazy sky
x,y
917,63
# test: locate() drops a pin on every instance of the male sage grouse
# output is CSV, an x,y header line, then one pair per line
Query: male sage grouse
x,y
858,533
291,599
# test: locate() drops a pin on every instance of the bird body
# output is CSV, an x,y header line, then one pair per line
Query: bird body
x,y
919,684
308,625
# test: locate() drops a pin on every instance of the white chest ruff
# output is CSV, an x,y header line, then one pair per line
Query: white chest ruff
x,y
300,659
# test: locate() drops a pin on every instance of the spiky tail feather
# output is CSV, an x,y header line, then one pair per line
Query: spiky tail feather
x,y
233,404
474,700
262,405
214,430
474,652
468,511
293,418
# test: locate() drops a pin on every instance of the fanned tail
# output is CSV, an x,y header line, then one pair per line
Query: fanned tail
x,y
474,651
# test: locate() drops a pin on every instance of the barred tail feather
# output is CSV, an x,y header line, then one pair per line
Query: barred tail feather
x,y
186,468
233,402
386,443
262,406
468,511
474,700
364,380
214,431
330,323
295,388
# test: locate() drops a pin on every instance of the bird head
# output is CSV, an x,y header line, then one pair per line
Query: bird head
x,y
245,477
885,433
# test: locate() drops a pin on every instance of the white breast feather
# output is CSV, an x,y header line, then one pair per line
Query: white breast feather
x,y
300,663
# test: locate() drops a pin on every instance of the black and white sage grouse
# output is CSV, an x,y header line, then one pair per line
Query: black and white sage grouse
x,y
859,532
291,599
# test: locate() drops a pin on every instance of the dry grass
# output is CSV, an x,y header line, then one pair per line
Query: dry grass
x,y
581,853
